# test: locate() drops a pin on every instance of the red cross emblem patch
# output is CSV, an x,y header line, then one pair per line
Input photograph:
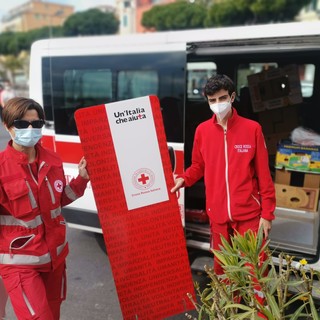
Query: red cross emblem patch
x,y
58,185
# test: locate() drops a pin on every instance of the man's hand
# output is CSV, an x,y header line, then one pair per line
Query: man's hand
x,y
179,183
266,225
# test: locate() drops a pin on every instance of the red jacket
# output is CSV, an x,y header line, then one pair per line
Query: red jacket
x,y
234,163
32,229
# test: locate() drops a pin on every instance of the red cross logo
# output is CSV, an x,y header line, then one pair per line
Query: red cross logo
x,y
143,178
58,185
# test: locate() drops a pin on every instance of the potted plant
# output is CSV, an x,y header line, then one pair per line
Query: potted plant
x,y
234,295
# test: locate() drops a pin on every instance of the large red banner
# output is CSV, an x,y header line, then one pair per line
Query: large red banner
x,y
140,218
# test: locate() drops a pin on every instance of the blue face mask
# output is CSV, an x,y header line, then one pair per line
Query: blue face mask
x,y
27,137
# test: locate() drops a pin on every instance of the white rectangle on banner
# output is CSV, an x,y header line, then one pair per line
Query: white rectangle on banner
x,y
137,150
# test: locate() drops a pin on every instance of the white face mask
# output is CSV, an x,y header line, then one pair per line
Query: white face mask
x,y
27,137
221,109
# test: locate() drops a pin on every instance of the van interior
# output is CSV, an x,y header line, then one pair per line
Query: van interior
x,y
277,84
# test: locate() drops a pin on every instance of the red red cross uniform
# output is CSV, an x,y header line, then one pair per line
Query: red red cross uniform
x,y
33,245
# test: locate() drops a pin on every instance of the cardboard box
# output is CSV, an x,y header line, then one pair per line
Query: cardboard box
x,y
299,198
297,179
298,157
297,190
275,88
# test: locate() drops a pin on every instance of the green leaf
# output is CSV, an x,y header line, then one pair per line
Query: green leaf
x,y
313,308
297,313
295,298
273,306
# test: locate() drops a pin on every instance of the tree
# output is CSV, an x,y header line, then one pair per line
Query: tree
x,y
91,22
175,16
10,65
230,12
5,42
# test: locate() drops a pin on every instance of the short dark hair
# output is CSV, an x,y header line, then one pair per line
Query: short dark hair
x,y
16,108
217,83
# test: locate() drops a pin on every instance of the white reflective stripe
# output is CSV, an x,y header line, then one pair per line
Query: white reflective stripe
x,y
55,212
31,197
70,193
26,300
53,199
60,248
17,259
12,221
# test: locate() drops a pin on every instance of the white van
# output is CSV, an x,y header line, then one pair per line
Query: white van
x,y
276,69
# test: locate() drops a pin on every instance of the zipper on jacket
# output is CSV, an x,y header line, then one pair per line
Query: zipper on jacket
x,y
27,238
258,202
226,173
32,175
53,199
41,165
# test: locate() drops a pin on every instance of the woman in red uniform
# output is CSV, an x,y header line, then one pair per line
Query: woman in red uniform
x,y
33,245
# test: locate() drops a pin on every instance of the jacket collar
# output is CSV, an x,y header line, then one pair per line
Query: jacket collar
x,y
231,120
22,158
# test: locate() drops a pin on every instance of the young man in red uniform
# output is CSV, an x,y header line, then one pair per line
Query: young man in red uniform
x,y
229,151
33,189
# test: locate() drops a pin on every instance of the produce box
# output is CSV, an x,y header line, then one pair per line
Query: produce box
x,y
298,157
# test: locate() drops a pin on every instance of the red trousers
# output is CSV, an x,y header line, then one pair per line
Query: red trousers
x,y
227,230
36,295
3,299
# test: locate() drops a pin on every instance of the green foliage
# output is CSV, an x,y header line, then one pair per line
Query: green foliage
x,y
91,22
230,12
244,273
178,15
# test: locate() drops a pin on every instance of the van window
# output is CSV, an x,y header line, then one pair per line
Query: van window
x,y
306,74
87,86
133,84
198,74
73,82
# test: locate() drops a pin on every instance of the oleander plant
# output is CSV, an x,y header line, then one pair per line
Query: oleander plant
x,y
285,290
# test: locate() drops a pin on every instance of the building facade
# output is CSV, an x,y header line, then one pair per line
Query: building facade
x,y
130,13
35,14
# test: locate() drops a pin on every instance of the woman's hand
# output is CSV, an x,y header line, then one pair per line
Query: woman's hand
x,y
83,169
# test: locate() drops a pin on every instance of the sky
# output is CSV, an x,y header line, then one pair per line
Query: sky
x,y
79,5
